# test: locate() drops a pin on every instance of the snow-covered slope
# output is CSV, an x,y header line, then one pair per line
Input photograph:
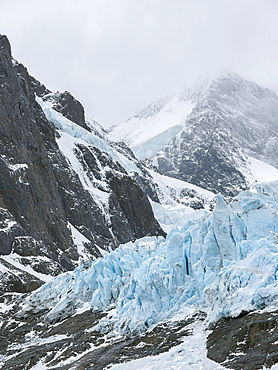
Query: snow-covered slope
x,y
179,201
176,199
260,171
151,129
205,134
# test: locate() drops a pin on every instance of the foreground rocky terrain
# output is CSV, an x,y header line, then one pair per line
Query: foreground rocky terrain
x,y
212,283
88,276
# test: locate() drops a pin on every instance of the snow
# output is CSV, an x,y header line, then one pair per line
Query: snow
x,y
79,240
14,259
18,166
174,208
223,263
31,340
39,366
5,307
71,135
171,182
8,225
170,216
261,171
191,354
82,136
173,129
152,130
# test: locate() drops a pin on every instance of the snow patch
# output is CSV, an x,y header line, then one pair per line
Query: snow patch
x,y
14,259
191,354
77,132
79,240
153,131
261,171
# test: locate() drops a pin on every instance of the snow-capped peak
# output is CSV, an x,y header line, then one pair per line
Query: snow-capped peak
x,y
204,134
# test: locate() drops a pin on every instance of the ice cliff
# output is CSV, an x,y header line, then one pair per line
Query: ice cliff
x,y
224,263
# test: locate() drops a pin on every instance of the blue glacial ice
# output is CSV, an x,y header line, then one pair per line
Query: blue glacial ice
x,y
223,263
63,124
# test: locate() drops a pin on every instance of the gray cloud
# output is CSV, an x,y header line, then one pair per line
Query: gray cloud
x,y
118,55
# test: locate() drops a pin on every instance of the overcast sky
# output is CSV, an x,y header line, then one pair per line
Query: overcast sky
x,y
118,55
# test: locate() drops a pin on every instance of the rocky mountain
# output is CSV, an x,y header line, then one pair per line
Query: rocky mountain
x,y
205,296
213,134
66,194
88,277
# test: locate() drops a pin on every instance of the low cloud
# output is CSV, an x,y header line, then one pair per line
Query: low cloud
x,y
118,55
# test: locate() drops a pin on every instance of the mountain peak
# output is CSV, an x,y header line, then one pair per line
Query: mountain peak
x,y
204,134
223,79
215,75
4,44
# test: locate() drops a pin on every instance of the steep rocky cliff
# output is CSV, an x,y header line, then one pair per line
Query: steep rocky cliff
x,y
50,220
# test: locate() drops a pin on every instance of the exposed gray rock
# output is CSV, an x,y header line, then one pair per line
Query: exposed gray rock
x,y
207,131
247,342
54,345
40,190
207,157
70,108
13,279
9,230
145,181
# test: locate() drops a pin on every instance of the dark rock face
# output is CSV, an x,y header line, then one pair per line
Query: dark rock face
x,y
40,193
9,230
27,185
205,161
225,120
70,108
13,279
145,181
130,206
129,213
63,102
74,344
247,342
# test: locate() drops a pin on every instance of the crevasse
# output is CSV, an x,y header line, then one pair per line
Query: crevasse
x,y
223,263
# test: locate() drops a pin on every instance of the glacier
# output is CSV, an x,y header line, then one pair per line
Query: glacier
x,y
73,130
176,197
224,263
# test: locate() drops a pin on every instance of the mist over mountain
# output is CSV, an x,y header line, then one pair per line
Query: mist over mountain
x,y
117,249
62,185
207,133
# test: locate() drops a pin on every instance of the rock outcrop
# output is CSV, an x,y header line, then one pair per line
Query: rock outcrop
x,y
246,342
42,198
206,134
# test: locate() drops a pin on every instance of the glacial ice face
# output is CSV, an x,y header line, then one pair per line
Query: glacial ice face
x,y
224,263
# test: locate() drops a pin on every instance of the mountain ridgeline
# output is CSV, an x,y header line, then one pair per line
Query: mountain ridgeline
x,y
206,134
45,206
88,276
